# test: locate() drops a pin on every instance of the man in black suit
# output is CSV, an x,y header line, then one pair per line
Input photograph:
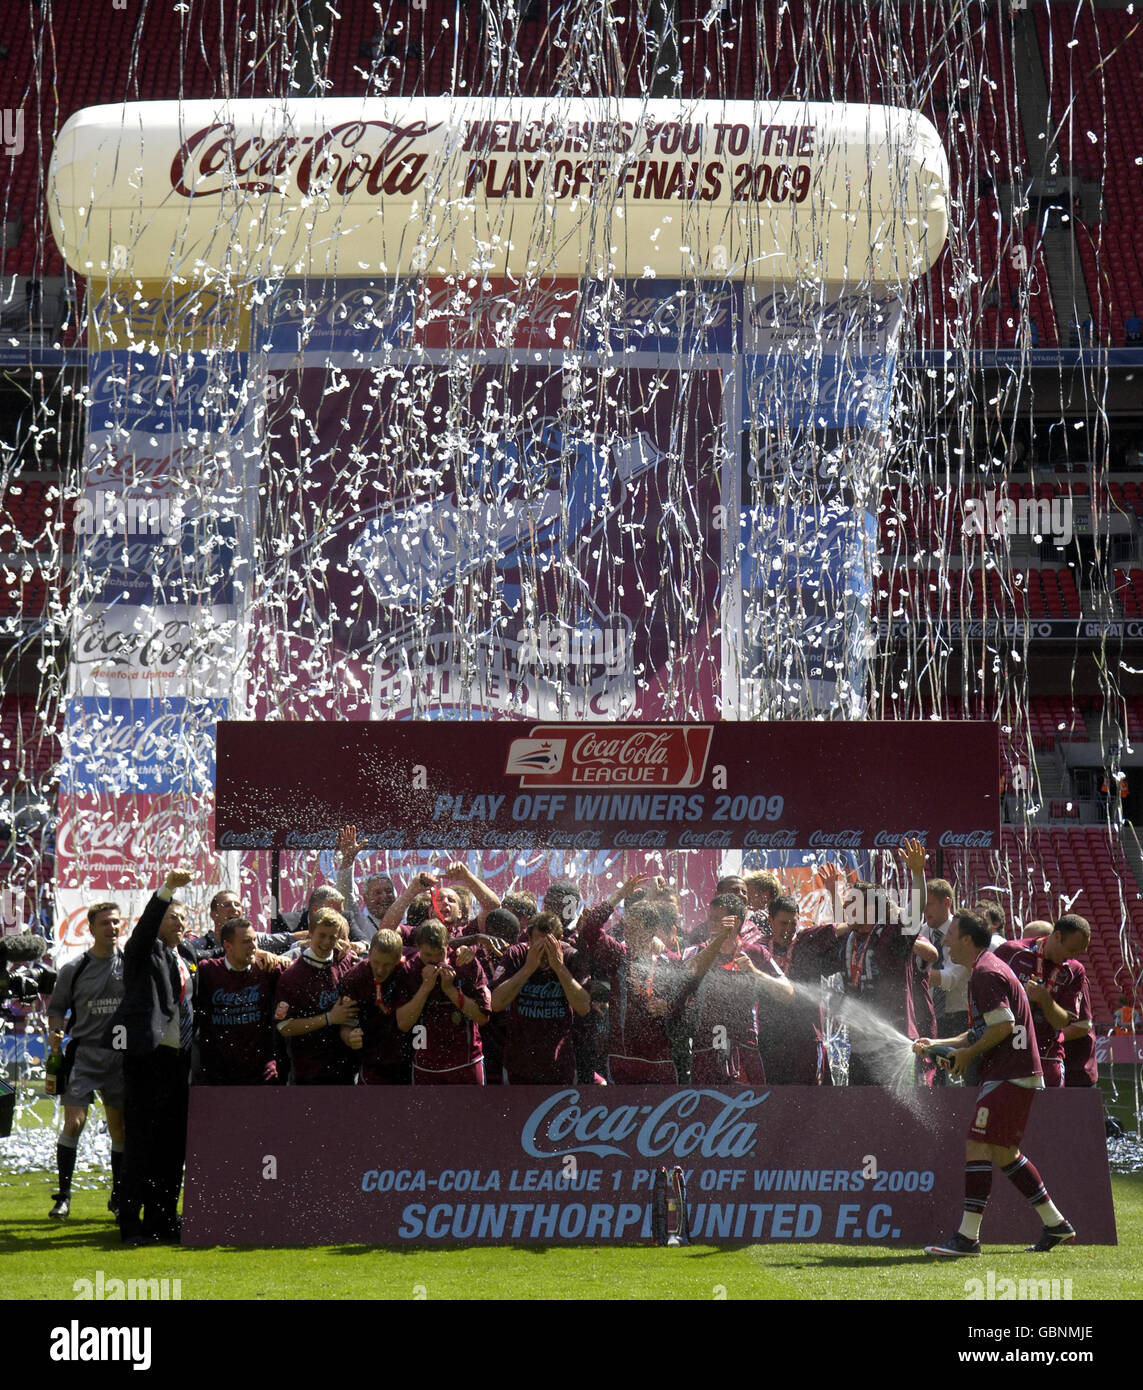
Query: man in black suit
x,y
152,1028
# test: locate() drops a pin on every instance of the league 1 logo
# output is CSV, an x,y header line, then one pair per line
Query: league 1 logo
x,y
646,755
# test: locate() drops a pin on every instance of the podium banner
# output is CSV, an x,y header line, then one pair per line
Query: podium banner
x,y
380,1165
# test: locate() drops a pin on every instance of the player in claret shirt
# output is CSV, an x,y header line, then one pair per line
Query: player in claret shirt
x,y
1000,1035
885,967
1080,1066
1053,979
790,1039
234,1011
539,989
375,986
310,1005
724,1023
443,999
649,988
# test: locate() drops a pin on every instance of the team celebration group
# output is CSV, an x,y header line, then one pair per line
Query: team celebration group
x,y
445,983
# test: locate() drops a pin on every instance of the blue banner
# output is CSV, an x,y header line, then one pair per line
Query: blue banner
x,y
119,745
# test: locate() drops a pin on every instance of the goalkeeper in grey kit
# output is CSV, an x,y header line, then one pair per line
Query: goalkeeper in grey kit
x,y
88,991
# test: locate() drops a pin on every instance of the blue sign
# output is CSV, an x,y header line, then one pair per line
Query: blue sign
x,y
191,563
677,317
121,745
168,394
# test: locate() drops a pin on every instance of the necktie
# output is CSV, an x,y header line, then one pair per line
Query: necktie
x,y
940,996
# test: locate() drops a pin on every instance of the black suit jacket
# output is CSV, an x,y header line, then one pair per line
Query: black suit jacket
x,y
151,984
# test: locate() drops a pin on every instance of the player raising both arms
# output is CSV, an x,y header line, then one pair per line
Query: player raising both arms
x,y
1002,1036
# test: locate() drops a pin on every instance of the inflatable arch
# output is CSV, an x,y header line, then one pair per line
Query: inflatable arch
x,y
760,253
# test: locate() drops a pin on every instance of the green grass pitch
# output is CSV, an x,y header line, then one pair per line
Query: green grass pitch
x,y
41,1259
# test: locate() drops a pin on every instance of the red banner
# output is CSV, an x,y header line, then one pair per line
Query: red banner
x,y
727,785
1120,1048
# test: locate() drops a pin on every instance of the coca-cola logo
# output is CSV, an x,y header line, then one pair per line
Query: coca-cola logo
x,y
249,839
967,839
582,839
136,846
110,461
173,642
770,839
837,320
716,1127
376,157
639,839
892,839
152,380
499,839
107,738
310,839
629,756
705,839
835,839
163,399
440,317
633,750
198,306
667,317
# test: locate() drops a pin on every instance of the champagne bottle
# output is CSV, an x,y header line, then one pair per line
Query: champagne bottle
x,y
941,1053
53,1070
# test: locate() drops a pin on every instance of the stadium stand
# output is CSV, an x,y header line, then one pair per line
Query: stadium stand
x,y
1091,62
1050,865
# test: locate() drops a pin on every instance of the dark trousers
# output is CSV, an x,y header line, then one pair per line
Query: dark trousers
x,y
158,1088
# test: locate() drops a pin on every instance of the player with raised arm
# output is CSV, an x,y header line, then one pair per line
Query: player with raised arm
x,y
649,987
1001,1037
153,1027
884,966
724,1018
377,891
790,1037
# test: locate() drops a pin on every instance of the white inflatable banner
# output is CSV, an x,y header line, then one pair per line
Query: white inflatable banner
x,y
538,187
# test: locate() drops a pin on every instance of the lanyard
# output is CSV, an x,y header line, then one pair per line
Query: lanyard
x,y
857,960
